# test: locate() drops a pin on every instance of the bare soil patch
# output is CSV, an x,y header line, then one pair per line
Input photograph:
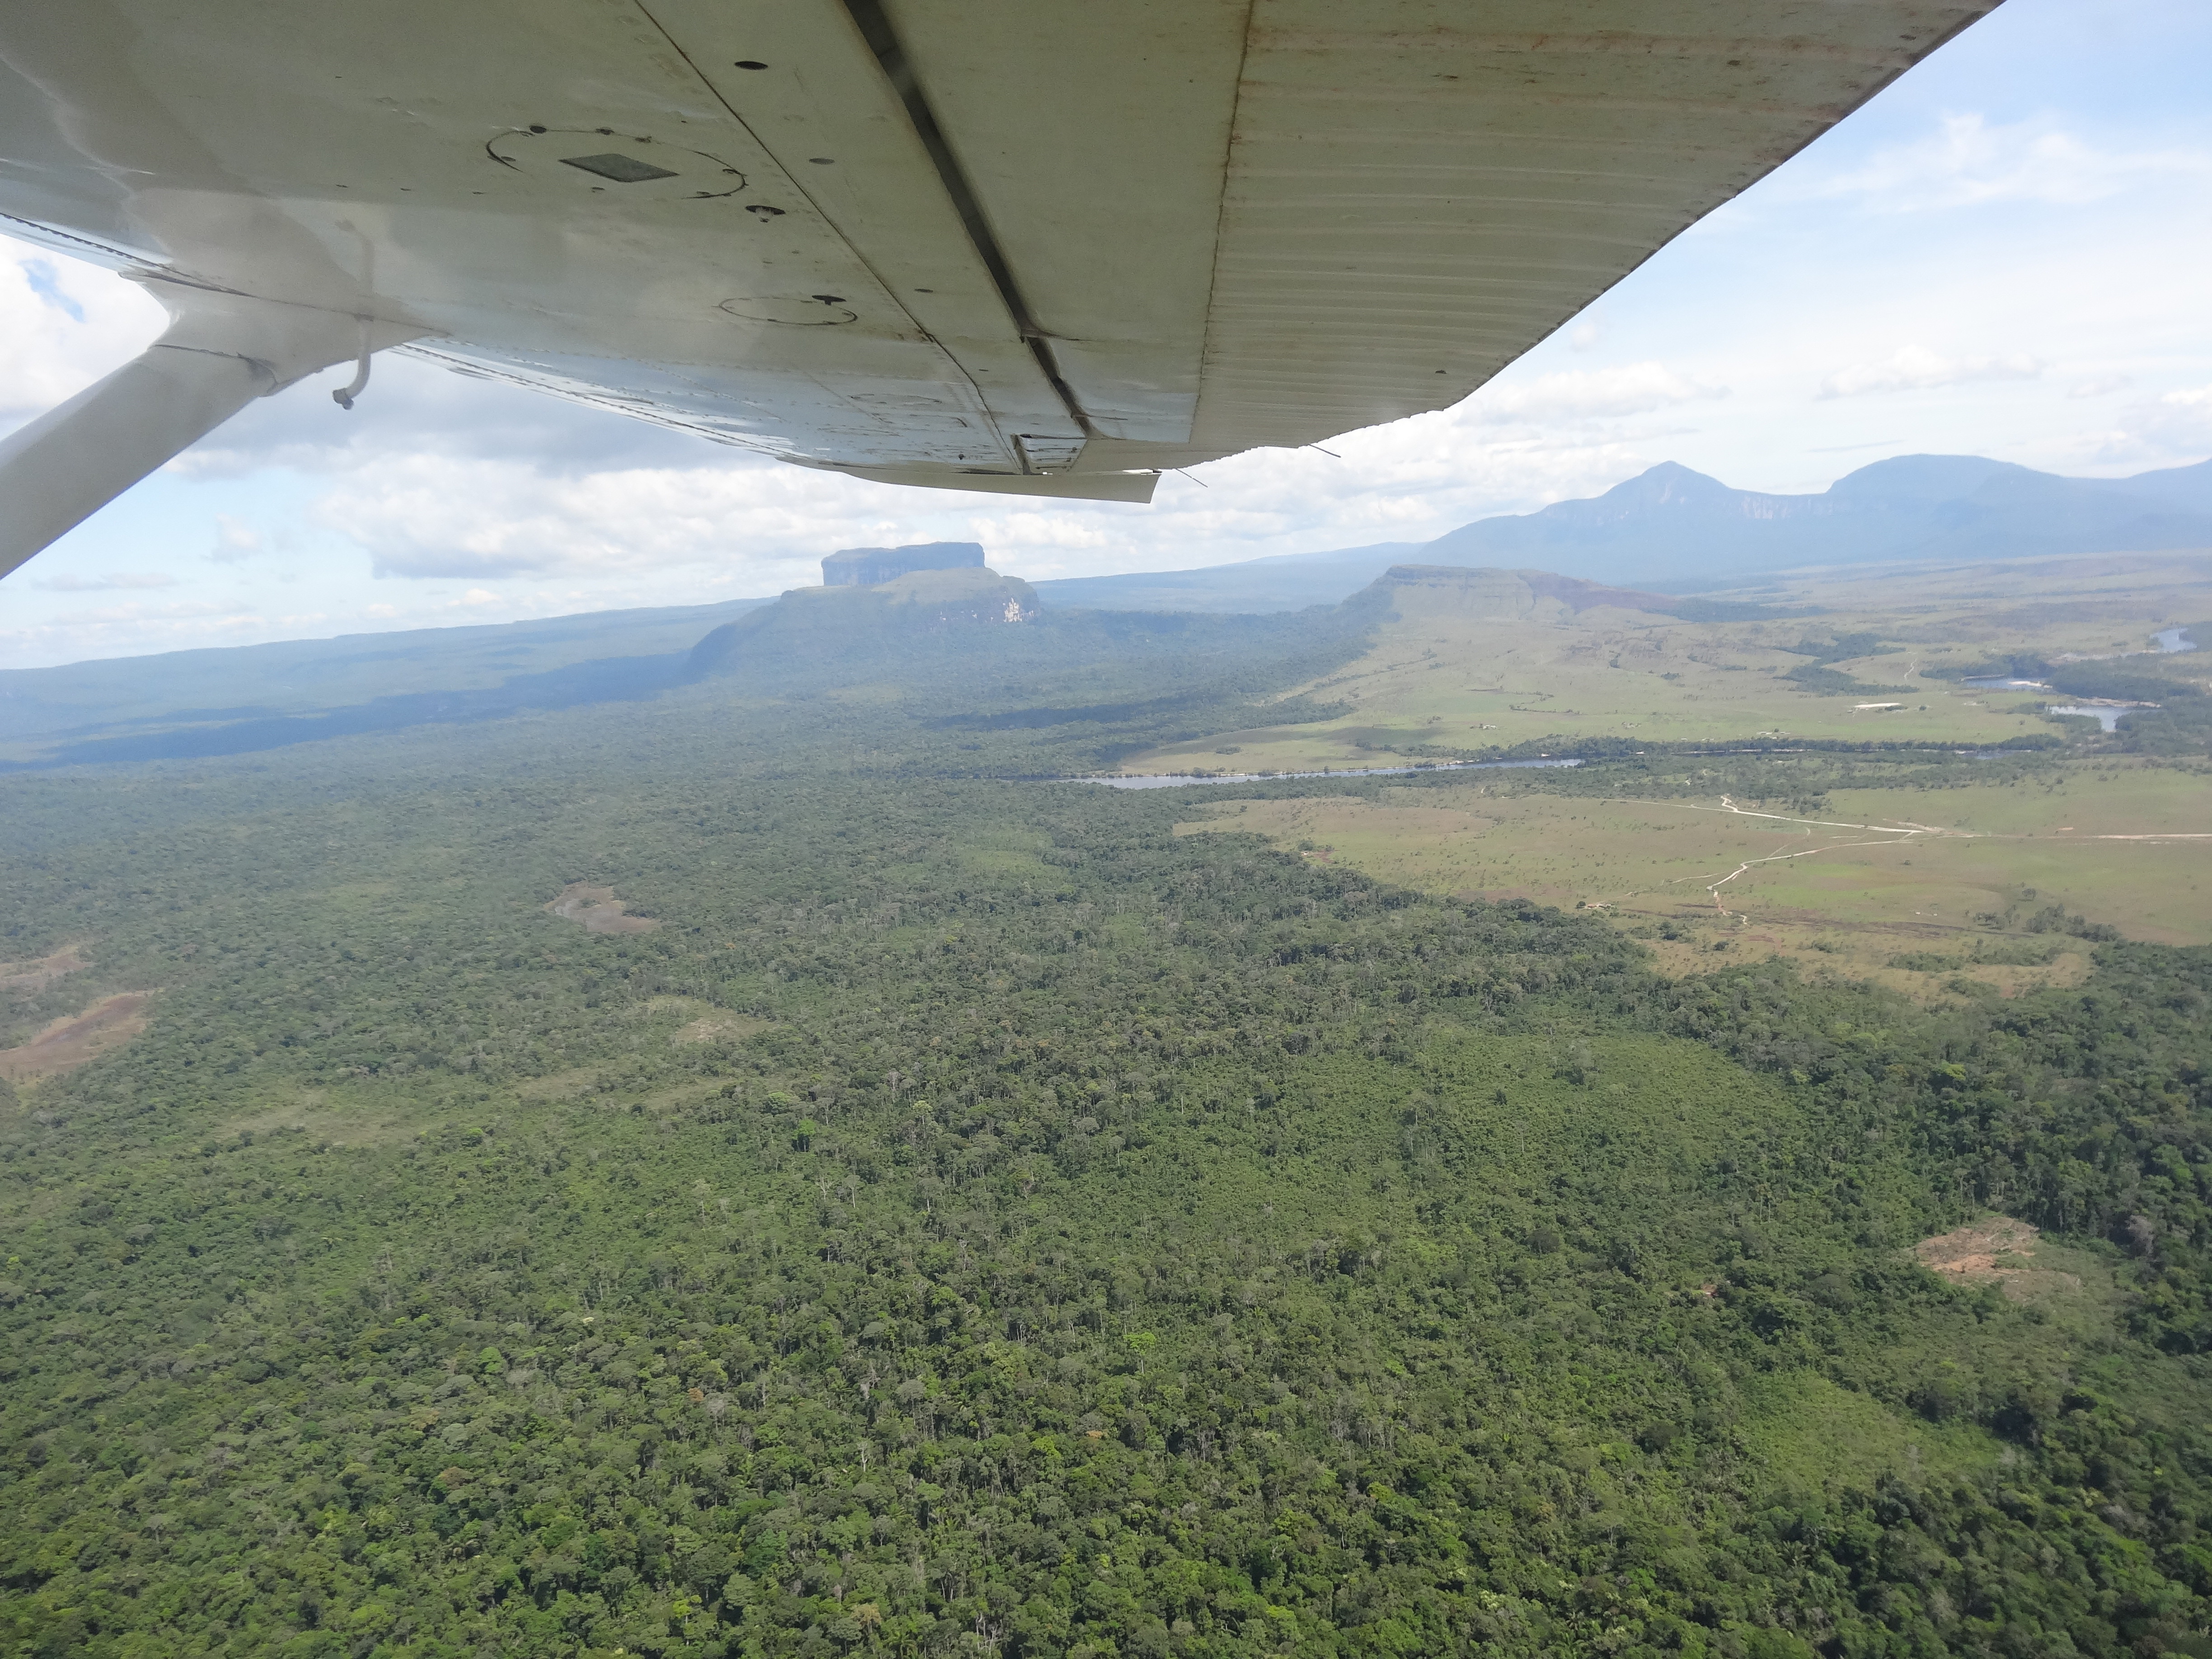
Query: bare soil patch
x,y
1992,1252
598,909
72,1040
42,971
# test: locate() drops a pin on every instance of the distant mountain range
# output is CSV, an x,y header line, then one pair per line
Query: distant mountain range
x,y
1669,531
1678,531
1670,527
976,635
494,667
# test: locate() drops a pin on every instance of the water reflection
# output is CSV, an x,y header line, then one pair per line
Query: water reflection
x,y
2106,716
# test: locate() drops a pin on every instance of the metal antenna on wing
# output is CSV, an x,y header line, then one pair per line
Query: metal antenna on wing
x,y
343,398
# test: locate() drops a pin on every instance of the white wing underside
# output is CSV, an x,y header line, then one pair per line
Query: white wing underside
x,y
1025,246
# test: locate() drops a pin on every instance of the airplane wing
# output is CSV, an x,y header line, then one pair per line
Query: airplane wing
x,y
1029,246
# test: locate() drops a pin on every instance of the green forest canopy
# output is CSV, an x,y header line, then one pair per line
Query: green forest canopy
x,y
979,1221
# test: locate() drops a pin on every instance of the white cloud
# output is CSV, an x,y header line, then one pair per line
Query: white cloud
x,y
2097,386
1590,394
435,516
415,408
188,611
118,581
1967,163
63,324
235,539
2180,422
1916,368
1069,531
425,510
2148,431
666,535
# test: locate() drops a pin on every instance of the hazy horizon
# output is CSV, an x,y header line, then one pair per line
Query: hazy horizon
x,y
1995,256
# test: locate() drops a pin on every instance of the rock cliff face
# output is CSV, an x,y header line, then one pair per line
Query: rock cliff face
x,y
867,567
828,624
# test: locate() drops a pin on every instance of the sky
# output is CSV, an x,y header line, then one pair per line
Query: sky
x,y
2004,254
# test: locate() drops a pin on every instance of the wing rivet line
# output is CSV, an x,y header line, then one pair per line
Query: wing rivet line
x,y
875,26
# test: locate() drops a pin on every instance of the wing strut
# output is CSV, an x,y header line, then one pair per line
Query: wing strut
x,y
221,351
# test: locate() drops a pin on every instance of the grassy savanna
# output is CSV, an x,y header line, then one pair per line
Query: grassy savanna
x,y
1867,875
2058,606
1472,660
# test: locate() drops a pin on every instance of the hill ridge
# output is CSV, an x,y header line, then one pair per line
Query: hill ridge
x,y
1671,524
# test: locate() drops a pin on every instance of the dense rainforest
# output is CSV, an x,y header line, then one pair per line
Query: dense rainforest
x,y
977,1219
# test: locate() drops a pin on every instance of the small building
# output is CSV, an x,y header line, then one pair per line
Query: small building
x,y
864,567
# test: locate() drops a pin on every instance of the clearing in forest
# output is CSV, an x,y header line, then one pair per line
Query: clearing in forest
x,y
598,910
41,971
701,1022
1996,1251
72,1040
